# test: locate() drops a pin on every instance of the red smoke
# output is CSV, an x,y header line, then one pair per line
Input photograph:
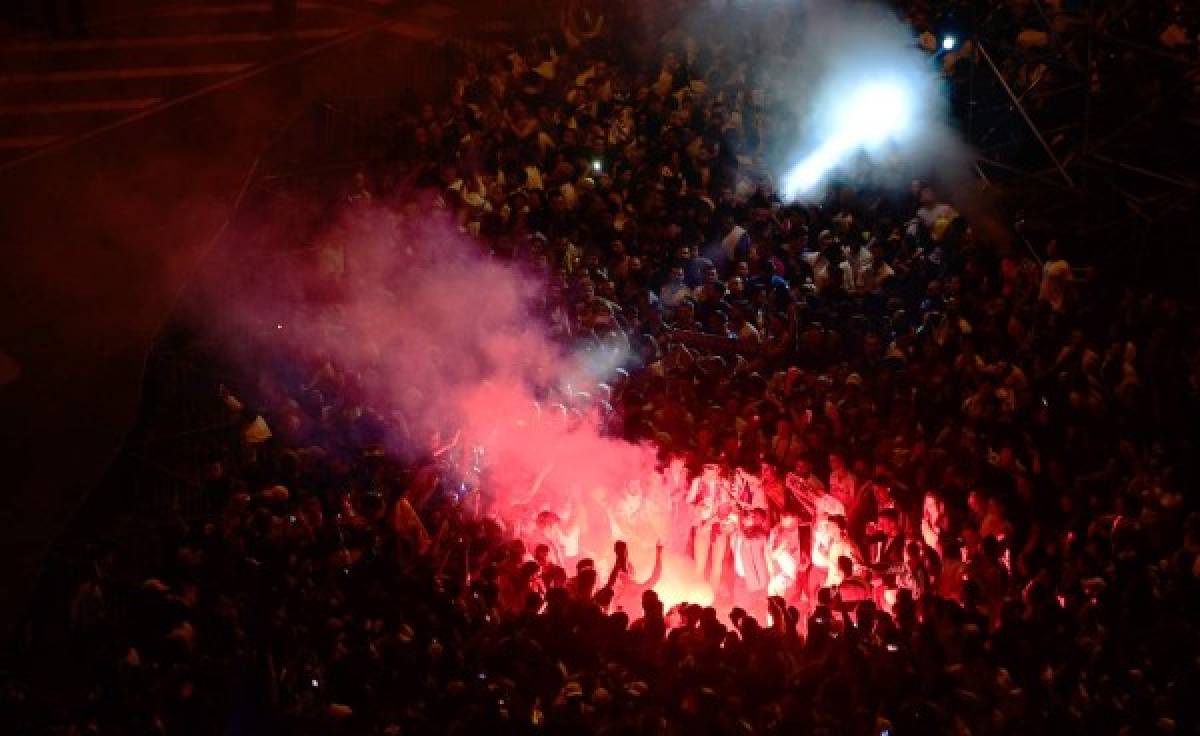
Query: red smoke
x,y
444,340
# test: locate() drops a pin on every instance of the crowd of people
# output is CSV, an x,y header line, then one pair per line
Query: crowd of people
x,y
934,485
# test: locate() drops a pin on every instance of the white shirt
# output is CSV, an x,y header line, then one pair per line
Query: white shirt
x,y
730,242
825,506
930,215
860,266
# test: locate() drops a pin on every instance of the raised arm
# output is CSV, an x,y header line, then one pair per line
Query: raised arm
x,y
656,573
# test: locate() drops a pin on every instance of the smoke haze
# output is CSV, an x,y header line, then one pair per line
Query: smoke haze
x,y
810,56
440,340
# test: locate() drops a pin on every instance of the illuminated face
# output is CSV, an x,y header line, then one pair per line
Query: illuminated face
x,y
975,502
933,506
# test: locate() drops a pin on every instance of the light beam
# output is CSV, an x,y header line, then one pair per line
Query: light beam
x,y
877,113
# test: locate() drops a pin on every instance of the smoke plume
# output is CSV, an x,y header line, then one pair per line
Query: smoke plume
x,y
812,59
443,343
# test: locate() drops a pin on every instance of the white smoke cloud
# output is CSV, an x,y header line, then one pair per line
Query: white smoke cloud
x,y
870,104
860,100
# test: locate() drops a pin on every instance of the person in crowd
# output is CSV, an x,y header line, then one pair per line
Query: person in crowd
x,y
705,497
886,543
787,558
811,495
934,522
750,552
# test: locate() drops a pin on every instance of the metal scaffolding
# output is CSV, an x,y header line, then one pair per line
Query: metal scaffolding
x,y
1087,125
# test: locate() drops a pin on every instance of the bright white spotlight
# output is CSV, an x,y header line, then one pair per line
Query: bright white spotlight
x,y
948,43
806,175
874,114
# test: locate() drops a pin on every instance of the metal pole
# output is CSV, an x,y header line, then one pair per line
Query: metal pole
x,y
971,102
1041,176
1087,77
1182,183
971,79
1021,109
